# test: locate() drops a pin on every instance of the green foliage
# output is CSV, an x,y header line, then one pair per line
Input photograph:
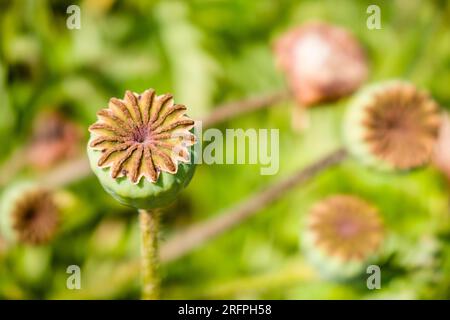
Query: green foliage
x,y
208,52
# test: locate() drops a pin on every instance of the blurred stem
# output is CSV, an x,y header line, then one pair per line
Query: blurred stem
x,y
233,109
149,222
198,234
67,172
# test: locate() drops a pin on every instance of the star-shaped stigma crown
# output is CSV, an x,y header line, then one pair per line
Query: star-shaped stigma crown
x,y
142,135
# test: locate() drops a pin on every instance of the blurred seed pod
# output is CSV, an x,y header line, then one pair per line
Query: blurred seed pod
x,y
441,155
54,138
343,233
321,62
29,214
141,149
392,126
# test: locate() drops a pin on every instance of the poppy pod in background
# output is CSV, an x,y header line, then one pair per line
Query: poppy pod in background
x,y
29,214
392,126
54,138
343,233
141,149
321,62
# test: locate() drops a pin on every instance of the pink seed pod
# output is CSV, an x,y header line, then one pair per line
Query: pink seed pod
x,y
321,62
55,138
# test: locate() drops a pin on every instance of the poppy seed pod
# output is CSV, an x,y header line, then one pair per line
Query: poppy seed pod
x,y
141,149
342,234
28,214
54,138
321,62
392,126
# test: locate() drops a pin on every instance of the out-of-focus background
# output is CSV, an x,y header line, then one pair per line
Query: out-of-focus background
x,y
207,52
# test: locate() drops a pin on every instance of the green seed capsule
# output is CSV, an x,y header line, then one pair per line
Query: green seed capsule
x,y
342,234
141,149
392,126
28,214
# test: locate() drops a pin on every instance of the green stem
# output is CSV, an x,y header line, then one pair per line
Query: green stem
x,y
149,221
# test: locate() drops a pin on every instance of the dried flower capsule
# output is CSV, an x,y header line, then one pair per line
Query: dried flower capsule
x,y
28,214
140,149
392,125
322,62
54,138
343,232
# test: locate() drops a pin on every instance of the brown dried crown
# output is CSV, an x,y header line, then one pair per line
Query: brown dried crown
x,y
401,126
54,138
346,227
142,135
35,217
